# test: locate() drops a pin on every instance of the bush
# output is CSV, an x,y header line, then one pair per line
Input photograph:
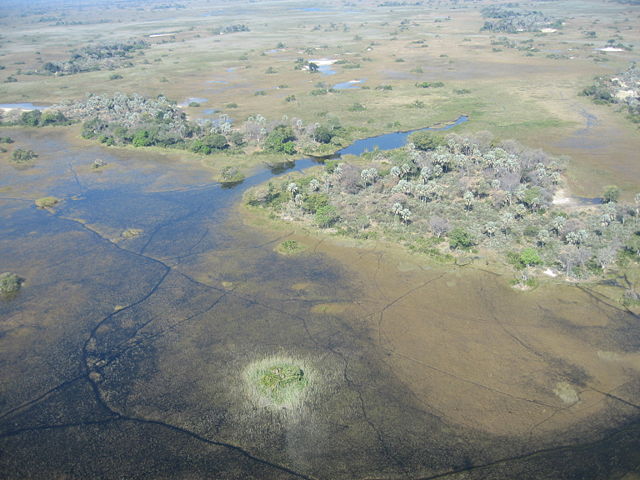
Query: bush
x,y
9,283
315,202
326,216
611,194
209,144
324,134
426,140
460,238
47,202
22,156
529,257
31,119
280,140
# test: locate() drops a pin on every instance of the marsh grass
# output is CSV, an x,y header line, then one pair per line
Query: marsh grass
x,y
47,202
10,283
280,381
132,233
290,247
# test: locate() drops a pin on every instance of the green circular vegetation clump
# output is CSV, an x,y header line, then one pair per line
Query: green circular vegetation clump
x,y
47,202
9,283
290,247
281,382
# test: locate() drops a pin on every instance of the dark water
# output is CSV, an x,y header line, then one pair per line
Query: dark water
x,y
390,141
123,358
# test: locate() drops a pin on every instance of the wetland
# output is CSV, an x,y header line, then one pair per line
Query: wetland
x,y
153,325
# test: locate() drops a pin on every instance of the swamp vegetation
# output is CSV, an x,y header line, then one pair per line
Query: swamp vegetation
x,y
335,308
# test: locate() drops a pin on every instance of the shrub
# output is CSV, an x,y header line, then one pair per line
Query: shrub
x,y
9,283
31,119
280,140
209,144
426,140
315,202
611,194
47,202
460,238
529,257
22,156
326,216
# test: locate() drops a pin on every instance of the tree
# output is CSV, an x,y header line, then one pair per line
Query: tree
x,y
529,257
323,134
326,216
426,140
611,193
31,118
460,238
209,144
280,140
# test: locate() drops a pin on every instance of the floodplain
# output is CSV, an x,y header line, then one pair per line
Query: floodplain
x,y
151,296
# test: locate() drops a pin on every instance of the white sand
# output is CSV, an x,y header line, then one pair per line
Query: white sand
x,y
561,198
154,35
611,49
323,61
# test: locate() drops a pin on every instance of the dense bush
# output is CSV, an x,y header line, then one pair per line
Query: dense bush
x,y
622,88
466,191
22,156
281,140
97,57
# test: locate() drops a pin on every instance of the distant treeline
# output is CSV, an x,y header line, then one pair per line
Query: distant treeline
x,y
231,29
512,21
400,4
98,57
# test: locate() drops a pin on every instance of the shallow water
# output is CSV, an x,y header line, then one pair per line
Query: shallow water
x,y
122,358
189,100
23,106
350,85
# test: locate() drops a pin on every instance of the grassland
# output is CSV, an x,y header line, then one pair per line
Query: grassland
x,y
528,92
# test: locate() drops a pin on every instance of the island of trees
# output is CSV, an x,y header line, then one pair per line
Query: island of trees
x,y
622,89
450,197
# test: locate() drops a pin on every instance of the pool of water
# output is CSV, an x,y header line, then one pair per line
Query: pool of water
x,y
351,84
390,141
134,349
189,100
23,106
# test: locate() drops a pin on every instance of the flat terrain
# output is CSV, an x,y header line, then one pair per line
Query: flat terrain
x,y
148,290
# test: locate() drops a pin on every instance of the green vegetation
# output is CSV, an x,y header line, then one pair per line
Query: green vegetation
x,y
611,194
281,140
462,192
426,140
279,381
98,57
47,202
23,156
37,118
9,283
130,233
512,21
290,247
622,89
